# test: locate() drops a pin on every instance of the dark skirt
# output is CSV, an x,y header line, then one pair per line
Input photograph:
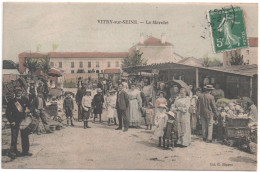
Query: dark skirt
x,y
98,109
170,130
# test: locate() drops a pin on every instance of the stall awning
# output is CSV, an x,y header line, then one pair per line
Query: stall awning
x,y
54,72
244,70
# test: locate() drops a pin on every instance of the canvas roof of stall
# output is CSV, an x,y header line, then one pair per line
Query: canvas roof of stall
x,y
244,70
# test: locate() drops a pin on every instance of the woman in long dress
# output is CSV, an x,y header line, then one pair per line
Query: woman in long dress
x,y
135,104
111,107
181,108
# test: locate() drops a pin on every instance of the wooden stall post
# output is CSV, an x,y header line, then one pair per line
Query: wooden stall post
x,y
251,87
197,77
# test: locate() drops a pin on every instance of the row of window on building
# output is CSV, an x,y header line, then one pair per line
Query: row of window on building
x,y
89,71
89,64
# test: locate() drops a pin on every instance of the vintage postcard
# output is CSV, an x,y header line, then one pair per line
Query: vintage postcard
x,y
130,86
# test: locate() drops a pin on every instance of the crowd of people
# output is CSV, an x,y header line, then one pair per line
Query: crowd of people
x,y
174,110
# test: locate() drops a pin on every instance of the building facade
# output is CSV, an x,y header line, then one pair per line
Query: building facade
x,y
249,54
155,50
78,62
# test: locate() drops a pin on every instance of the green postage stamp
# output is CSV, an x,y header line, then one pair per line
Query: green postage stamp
x,y
227,29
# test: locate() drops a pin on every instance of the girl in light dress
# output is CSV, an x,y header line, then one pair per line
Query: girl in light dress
x,y
111,107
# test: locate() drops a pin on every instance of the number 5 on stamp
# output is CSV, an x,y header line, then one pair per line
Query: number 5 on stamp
x,y
227,28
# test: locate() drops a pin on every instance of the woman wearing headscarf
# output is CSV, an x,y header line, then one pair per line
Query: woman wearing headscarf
x,y
181,109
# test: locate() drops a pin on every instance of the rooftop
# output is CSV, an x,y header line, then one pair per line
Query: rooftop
x,y
154,41
76,54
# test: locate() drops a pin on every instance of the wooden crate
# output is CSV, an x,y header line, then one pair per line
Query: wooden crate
x,y
237,122
235,132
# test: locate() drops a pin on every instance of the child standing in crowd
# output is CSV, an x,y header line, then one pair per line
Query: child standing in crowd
x,y
86,105
160,122
68,107
111,107
161,100
149,115
170,132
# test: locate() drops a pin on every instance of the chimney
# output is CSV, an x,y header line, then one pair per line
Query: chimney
x,y
141,40
163,38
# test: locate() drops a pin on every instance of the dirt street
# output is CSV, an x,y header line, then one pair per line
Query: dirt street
x,y
102,147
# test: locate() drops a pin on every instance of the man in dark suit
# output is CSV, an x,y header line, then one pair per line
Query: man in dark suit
x,y
15,113
122,103
79,95
207,110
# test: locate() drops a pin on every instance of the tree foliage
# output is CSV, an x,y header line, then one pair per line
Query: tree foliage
x,y
32,64
45,64
54,46
134,60
211,61
9,64
237,60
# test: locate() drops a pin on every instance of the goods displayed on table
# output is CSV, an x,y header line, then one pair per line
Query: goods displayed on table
x,y
235,120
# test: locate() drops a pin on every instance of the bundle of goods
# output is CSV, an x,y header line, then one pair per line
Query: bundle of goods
x,y
234,117
234,109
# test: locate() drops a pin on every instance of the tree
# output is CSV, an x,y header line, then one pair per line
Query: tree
x,y
237,60
38,47
45,64
211,61
205,62
31,64
54,46
134,60
9,64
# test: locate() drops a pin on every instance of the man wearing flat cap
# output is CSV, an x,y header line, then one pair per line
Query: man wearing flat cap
x,y
15,113
207,110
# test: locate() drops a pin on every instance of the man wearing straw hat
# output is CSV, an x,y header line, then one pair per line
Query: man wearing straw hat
x,y
207,110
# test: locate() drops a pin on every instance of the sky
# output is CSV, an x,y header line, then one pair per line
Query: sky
x,y
74,26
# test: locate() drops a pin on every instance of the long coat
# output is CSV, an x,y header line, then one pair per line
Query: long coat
x,y
14,112
68,104
97,103
122,100
206,105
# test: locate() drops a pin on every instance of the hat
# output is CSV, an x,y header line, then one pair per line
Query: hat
x,y
162,106
88,90
198,89
68,94
112,91
171,114
162,92
99,90
18,89
133,83
209,87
